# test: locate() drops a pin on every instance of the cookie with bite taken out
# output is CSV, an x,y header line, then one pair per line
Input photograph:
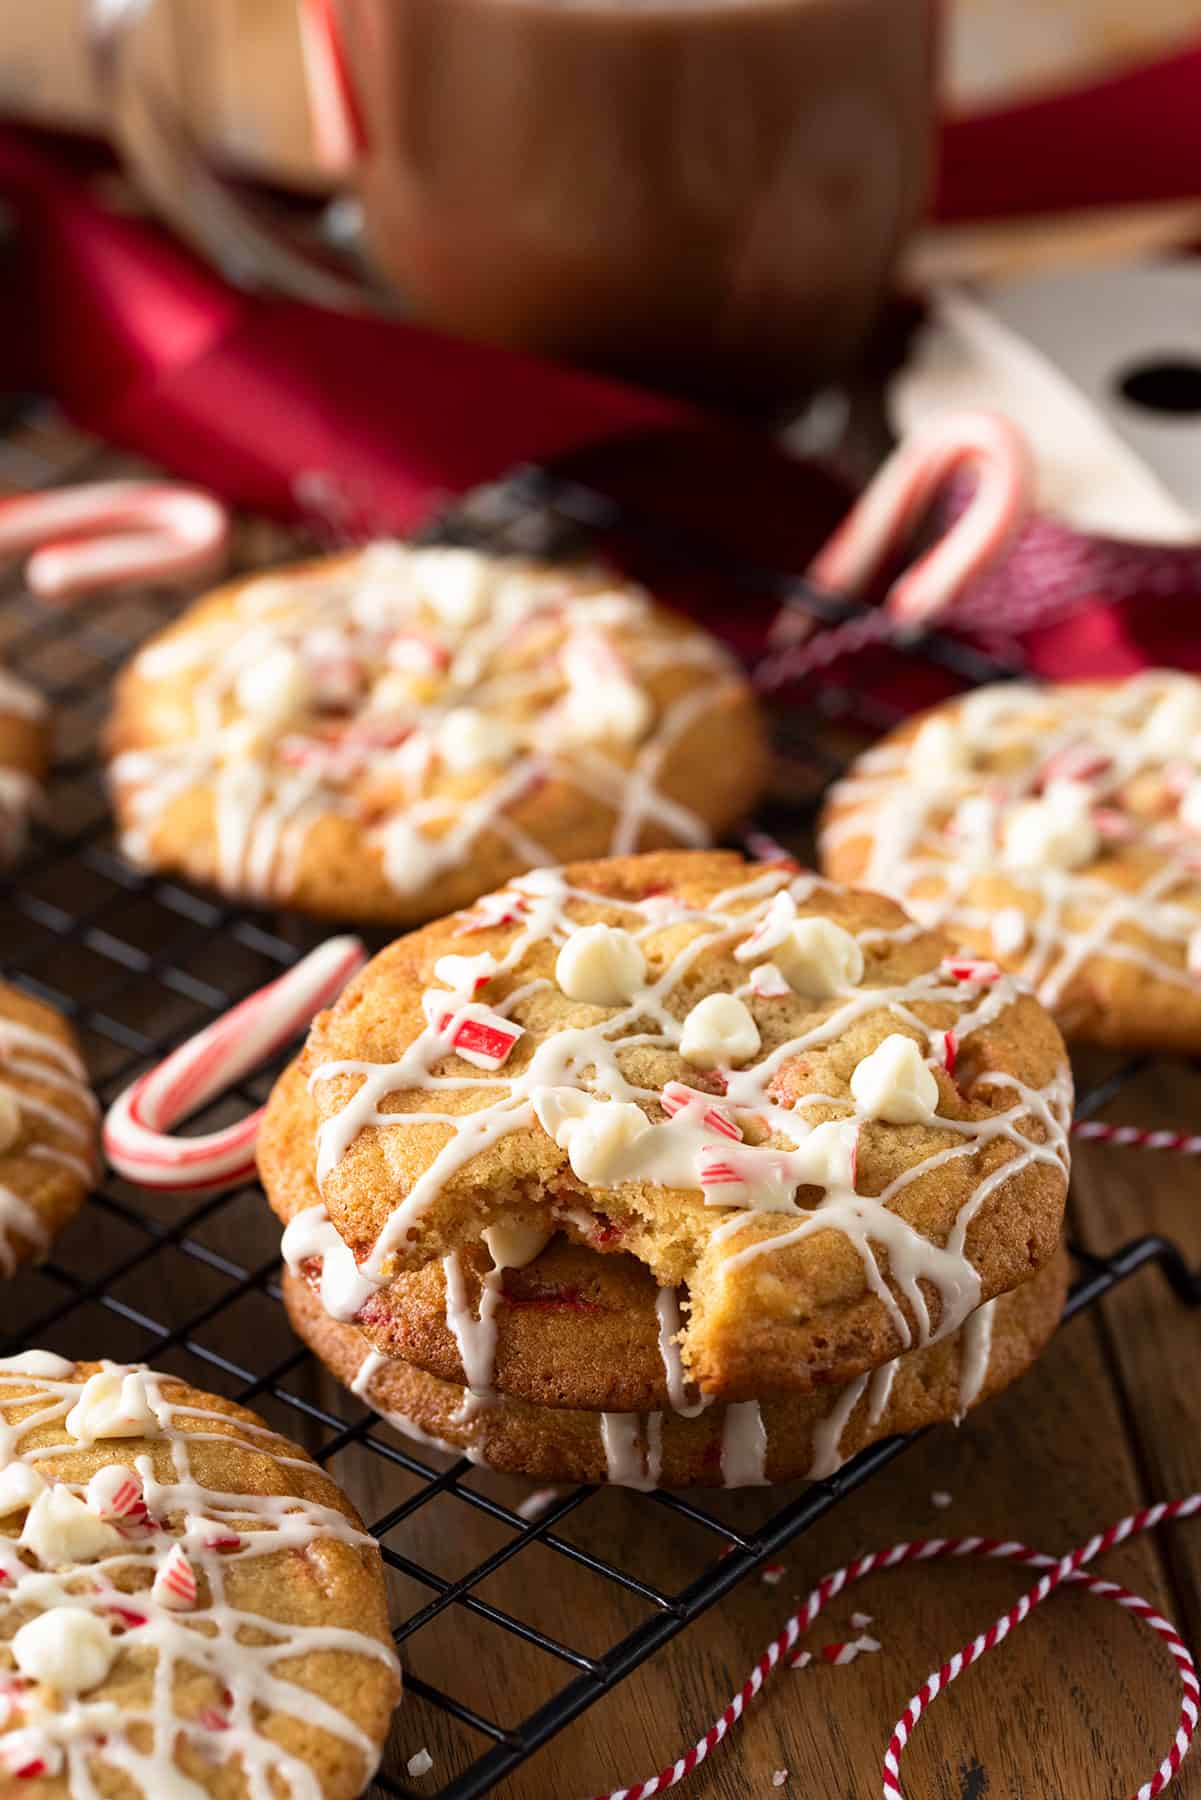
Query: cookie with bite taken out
x,y
835,1134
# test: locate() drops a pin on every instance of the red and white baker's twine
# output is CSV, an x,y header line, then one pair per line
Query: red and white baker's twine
x,y
137,1130
100,533
1060,1571
884,518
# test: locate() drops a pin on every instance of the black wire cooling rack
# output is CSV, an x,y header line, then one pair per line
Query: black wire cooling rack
x,y
140,963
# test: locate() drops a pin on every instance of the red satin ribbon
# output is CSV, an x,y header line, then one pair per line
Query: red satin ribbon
x,y
149,349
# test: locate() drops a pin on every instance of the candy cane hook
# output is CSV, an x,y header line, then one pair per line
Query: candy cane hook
x,y
98,534
137,1128
884,517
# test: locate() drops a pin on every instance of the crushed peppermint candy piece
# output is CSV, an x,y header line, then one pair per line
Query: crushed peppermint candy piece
x,y
802,1659
420,1764
116,1492
175,1583
27,1755
772,1574
212,1534
540,1501
940,1499
950,1051
505,908
466,974
479,1036
767,982
779,1777
678,1098
839,1655
970,969
861,1620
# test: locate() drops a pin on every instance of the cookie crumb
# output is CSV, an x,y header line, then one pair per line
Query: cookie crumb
x,y
421,1764
940,1499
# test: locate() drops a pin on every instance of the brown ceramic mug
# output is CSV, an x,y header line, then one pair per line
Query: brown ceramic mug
x,y
708,195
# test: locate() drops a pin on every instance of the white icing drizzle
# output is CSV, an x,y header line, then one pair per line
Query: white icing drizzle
x,y
827,1433
744,1446
1126,756
633,1445
359,665
574,1083
185,1518
29,1056
975,1348
879,1390
681,1397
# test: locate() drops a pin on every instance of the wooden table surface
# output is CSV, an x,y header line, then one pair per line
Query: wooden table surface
x,y
1081,1703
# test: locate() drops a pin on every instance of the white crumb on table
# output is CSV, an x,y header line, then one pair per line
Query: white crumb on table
x,y
420,1764
941,1499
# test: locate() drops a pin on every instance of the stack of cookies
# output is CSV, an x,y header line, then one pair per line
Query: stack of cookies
x,y
672,1169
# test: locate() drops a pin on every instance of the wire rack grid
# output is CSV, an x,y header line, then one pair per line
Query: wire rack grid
x,y
139,963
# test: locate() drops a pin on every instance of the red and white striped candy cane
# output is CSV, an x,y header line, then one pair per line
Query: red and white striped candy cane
x,y
1137,1137
100,533
883,519
1060,1571
137,1128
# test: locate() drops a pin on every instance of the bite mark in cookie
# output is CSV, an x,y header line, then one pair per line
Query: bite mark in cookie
x,y
186,1597
816,1236
1056,829
387,734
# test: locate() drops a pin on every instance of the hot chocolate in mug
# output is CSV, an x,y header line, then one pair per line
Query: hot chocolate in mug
x,y
707,195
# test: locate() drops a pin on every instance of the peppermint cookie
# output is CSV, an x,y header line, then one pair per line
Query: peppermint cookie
x,y
48,1128
188,1603
1056,830
387,735
24,755
691,1443
784,1097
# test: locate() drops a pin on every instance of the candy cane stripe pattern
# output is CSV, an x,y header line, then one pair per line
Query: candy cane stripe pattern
x,y
885,517
1061,1570
635,1089
254,1689
137,1139
387,734
101,534
1055,831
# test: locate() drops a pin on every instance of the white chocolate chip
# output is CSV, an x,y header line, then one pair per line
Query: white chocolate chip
x,y
973,826
1190,805
113,1404
609,710
10,1119
596,1143
1173,725
67,1647
60,1529
454,584
894,1083
1056,832
512,1244
1010,931
939,748
719,1029
19,1486
601,965
819,958
470,739
272,689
